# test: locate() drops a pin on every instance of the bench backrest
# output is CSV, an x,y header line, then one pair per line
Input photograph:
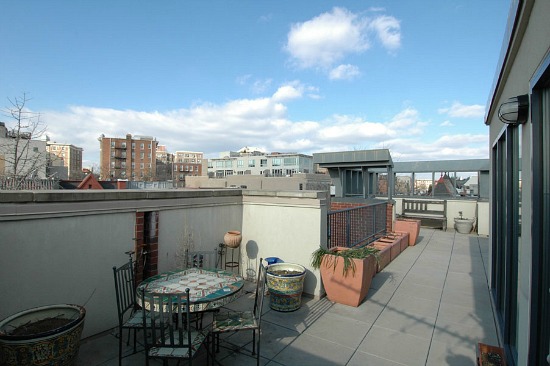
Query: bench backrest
x,y
425,207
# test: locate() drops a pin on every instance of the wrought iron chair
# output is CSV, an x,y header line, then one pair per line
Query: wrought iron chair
x,y
172,336
234,321
201,259
129,314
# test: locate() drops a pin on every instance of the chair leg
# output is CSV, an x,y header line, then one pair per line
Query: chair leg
x,y
258,355
254,342
120,330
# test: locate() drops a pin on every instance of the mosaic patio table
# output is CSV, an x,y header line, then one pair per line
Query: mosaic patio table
x,y
209,288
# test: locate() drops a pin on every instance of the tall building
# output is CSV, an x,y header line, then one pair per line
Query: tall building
x,y
186,163
250,161
164,163
132,158
65,160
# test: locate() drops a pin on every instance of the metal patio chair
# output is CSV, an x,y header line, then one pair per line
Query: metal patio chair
x,y
129,314
235,321
171,334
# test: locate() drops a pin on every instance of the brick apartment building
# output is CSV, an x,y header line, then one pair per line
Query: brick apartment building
x,y
64,160
132,158
186,163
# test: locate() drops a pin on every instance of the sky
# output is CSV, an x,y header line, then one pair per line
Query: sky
x,y
310,76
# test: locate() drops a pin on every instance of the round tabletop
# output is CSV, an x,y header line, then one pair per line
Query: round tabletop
x,y
209,288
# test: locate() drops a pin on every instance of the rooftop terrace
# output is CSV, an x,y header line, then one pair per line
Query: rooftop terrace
x,y
430,306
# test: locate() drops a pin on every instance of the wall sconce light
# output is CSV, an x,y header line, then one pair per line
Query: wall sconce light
x,y
515,110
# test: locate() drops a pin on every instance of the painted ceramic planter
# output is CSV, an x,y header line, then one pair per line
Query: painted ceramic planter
x,y
232,239
350,289
54,344
411,226
464,226
285,282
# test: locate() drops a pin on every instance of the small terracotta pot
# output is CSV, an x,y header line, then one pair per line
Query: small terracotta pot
x,y
232,239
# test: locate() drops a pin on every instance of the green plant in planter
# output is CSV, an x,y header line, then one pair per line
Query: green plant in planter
x,y
346,254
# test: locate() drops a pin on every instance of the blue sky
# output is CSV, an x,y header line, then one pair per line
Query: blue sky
x,y
302,76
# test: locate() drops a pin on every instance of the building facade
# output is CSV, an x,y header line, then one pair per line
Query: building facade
x,y
518,115
21,156
165,161
186,163
130,157
254,163
65,161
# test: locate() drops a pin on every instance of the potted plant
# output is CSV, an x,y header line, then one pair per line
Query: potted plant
x,y
463,225
285,282
47,335
346,273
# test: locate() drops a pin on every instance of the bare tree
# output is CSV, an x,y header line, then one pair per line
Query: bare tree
x,y
23,154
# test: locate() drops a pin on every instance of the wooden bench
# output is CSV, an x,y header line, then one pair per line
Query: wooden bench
x,y
433,210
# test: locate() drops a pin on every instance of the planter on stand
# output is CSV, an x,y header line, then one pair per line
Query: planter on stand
x,y
285,282
411,226
47,335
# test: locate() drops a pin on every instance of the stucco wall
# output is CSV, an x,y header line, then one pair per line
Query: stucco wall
x,y
61,247
285,225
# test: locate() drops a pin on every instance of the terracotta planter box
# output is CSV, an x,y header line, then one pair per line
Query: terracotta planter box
x,y
402,237
411,226
395,245
351,289
384,255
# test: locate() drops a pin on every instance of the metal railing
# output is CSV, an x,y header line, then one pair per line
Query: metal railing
x,y
356,226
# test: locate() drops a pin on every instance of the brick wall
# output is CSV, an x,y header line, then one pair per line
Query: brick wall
x,y
146,245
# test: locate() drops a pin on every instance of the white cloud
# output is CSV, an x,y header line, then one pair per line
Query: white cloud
x,y
293,90
261,122
328,38
388,31
344,72
446,124
458,109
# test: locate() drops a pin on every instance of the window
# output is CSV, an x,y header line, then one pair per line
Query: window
x,y
149,146
123,145
251,163
276,162
506,235
240,163
133,145
191,168
263,163
142,146
220,164
228,164
133,165
113,144
112,154
123,165
290,161
175,168
142,155
141,166
112,164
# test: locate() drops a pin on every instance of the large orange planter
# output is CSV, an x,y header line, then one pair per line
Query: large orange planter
x,y
351,289
411,226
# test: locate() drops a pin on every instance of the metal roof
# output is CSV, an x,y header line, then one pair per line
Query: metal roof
x,y
358,158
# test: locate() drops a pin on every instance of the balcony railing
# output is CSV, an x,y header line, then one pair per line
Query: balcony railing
x,y
356,226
